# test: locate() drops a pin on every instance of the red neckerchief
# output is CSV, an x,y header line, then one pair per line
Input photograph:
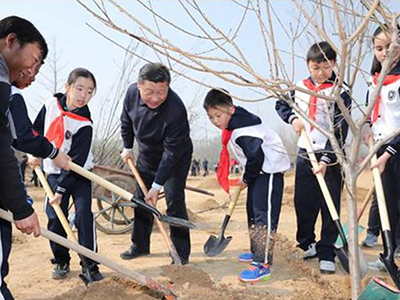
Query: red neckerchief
x,y
389,79
56,129
224,161
312,103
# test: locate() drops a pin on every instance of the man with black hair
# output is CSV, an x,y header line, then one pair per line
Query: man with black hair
x,y
21,48
156,117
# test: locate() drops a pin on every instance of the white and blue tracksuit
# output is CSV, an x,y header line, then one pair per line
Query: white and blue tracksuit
x,y
308,198
260,150
77,144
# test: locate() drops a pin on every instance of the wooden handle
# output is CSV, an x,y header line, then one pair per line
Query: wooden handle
x,y
139,278
172,250
365,202
234,200
380,195
55,205
320,178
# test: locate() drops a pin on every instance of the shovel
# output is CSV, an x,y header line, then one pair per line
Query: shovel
x,y
85,277
128,196
137,277
387,257
215,245
361,210
379,290
342,252
172,250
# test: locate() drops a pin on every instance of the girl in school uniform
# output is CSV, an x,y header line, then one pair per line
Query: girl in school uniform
x,y
65,121
385,119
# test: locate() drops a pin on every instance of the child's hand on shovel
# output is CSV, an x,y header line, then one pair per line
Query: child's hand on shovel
x,y
56,200
321,168
381,162
152,196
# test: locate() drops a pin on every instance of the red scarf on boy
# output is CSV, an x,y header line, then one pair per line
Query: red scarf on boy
x,y
389,79
224,161
312,103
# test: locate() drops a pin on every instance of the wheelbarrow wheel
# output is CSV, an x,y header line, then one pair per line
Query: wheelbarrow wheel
x,y
113,215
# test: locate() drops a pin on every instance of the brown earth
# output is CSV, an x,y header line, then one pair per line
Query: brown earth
x,y
205,277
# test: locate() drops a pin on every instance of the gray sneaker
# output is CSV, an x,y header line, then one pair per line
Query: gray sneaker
x,y
370,241
327,267
377,265
311,252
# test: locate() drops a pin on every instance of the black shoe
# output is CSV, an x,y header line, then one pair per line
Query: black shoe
x,y
184,261
60,271
133,252
93,274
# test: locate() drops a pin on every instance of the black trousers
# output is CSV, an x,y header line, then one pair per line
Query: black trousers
x,y
264,201
5,240
391,187
373,217
309,201
82,196
174,189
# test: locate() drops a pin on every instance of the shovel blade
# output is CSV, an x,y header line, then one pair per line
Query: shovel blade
x,y
343,257
177,222
215,245
339,242
391,268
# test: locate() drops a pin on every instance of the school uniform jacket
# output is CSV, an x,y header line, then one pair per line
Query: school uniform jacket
x,y
324,112
389,111
24,138
257,147
12,191
77,138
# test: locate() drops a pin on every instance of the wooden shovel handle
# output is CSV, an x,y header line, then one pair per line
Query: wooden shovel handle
x,y
139,278
167,239
320,178
234,200
380,195
55,205
365,202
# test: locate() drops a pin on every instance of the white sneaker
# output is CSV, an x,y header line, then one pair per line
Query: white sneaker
x,y
311,252
327,267
377,265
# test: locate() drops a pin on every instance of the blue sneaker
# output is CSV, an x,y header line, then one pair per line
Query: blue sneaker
x,y
256,272
246,257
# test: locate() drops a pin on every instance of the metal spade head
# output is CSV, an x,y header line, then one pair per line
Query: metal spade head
x,y
391,268
343,258
177,222
215,245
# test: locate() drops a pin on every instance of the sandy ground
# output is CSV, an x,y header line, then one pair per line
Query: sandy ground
x,y
216,277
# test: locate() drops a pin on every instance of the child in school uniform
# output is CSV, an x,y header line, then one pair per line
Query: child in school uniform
x,y
385,119
260,150
65,121
308,198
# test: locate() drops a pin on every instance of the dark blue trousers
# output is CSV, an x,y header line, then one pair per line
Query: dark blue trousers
x,y
174,189
5,240
309,201
82,196
264,201
391,187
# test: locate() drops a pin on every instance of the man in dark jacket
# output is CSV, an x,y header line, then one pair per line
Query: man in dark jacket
x,y
156,117
22,47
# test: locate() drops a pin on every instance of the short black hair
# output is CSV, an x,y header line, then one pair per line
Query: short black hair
x,y
154,72
217,97
80,72
321,52
25,31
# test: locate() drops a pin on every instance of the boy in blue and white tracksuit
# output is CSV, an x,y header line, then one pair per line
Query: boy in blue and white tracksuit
x,y
260,150
65,121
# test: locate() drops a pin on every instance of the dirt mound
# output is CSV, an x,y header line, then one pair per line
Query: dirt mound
x,y
109,288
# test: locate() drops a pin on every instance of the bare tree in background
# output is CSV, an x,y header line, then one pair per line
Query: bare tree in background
x,y
345,25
